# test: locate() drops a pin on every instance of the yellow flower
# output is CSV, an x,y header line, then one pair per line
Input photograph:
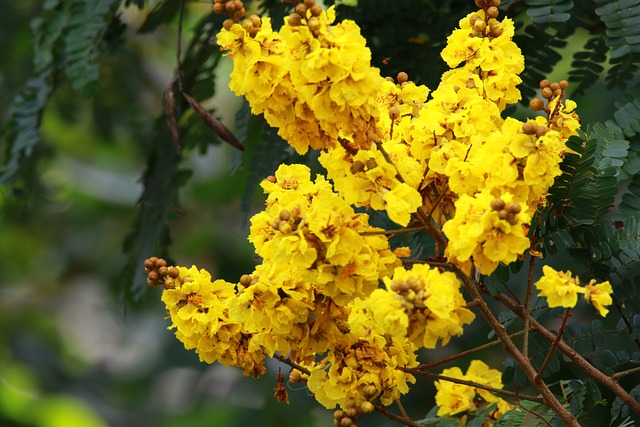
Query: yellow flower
x,y
560,289
489,235
453,398
599,295
433,302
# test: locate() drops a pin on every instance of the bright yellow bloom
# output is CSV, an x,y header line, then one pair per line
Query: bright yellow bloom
x,y
361,371
453,398
199,312
488,235
560,289
433,302
599,295
308,226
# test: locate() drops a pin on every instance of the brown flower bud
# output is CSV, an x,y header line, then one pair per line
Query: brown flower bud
x,y
371,164
285,215
547,92
513,207
529,128
497,204
554,86
315,10
563,84
544,83
536,104
218,8
294,20
228,23
503,214
394,112
245,280
301,10
356,167
541,131
402,77
493,12
230,7
366,407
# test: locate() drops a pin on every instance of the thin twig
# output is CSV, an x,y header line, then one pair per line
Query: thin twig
x,y
625,319
179,47
554,345
391,232
464,353
401,408
395,417
627,372
527,307
473,384
534,413
579,361
294,365
549,398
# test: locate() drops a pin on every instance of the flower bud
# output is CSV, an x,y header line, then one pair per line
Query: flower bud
x,y
547,92
563,84
544,83
536,104
402,77
493,12
228,23
371,164
498,204
366,407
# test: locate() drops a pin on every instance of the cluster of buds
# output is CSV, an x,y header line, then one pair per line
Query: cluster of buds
x,y
532,128
236,11
287,221
506,211
403,80
158,273
348,416
412,293
489,26
549,91
360,166
306,12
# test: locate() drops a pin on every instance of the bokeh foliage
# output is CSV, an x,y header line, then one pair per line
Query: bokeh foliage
x,y
91,82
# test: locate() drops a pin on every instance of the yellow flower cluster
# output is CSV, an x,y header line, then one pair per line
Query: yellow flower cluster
x,y
309,227
453,398
386,145
199,311
561,290
312,81
433,303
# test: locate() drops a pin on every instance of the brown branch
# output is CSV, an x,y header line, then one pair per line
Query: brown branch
x,y
527,307
627,372
294,365
391,232
473,384
395,417
554,345
549,398
580,362
465,353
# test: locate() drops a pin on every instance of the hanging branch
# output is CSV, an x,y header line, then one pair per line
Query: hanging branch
x,y
212,123
581,362
554,345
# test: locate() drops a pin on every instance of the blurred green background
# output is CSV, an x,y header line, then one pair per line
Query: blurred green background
x,y
73,352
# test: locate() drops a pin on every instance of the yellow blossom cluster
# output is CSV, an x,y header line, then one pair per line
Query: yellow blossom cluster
x,y
388,145
454,398
308,226
199,310
561,290
312,80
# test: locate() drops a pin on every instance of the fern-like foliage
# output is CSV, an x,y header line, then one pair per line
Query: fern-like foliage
x,y
622,19
90,20
69,38
549,11
586,66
